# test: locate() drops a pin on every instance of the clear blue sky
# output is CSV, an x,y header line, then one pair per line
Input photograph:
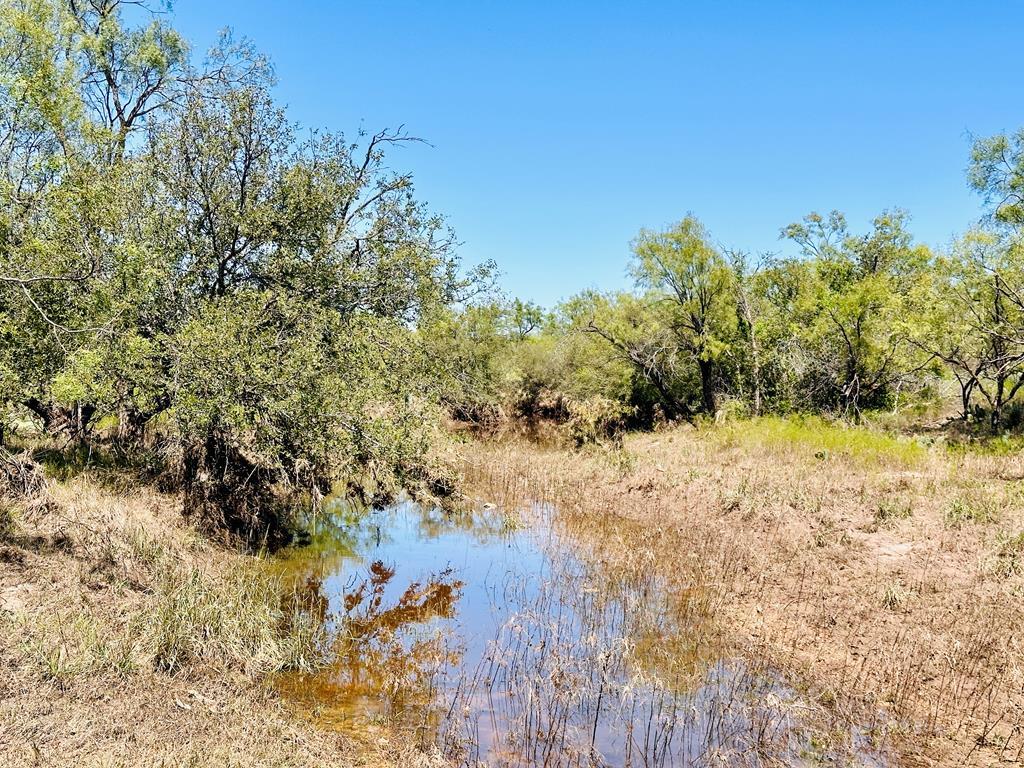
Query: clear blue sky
x,y
561,128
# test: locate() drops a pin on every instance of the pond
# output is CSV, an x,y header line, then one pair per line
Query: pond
x,y
513,638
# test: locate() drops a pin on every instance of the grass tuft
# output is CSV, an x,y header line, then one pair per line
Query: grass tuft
x,y
891,512
970,509
895,596
237,621
1008,558
68,646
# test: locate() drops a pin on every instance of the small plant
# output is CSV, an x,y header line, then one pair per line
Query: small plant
x,y
621,461
895,596
891,512
829,534
75,646
970,510
22,487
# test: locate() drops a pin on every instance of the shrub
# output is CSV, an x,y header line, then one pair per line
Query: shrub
x,y
596,419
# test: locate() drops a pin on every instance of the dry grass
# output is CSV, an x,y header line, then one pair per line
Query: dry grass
x,y
129,640
832,553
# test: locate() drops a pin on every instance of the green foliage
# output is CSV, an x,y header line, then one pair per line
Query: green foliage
x,y
175,251
850,313
177,256
997,173
690,279
822,439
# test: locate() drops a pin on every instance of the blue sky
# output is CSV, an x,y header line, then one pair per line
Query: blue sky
x,y
559,129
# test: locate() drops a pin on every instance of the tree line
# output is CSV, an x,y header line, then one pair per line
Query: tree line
x,y
855,322
263,310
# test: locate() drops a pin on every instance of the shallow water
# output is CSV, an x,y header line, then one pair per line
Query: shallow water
x,y
514,640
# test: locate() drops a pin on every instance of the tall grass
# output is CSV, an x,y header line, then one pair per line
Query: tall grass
x,y
237,619
742,509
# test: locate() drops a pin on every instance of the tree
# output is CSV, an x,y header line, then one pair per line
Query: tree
x,y
173,246
685,273
634,334
977,320
852,309
997,173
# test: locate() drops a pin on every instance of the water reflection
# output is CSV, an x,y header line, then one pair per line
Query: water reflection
x,y
520,641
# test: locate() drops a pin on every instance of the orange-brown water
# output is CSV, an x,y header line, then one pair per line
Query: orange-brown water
x,y
508,640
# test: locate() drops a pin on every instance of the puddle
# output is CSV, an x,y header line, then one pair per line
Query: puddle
x,y
509,640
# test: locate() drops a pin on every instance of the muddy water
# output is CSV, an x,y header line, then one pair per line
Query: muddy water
x,y
513,640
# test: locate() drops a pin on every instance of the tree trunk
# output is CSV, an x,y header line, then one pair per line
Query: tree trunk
x,y
755,360
996,418
73,422
225,493
673,408
707,386
966,388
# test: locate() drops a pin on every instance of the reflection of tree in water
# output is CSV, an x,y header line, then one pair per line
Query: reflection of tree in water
x,y
365,614
484,526
386,659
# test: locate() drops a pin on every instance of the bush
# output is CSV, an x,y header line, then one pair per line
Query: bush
x,y
596,419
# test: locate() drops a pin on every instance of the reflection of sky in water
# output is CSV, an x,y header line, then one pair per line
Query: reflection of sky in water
x,y
480,548
546,653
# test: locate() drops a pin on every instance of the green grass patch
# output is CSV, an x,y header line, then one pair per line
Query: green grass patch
x,y
820,438
988,445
